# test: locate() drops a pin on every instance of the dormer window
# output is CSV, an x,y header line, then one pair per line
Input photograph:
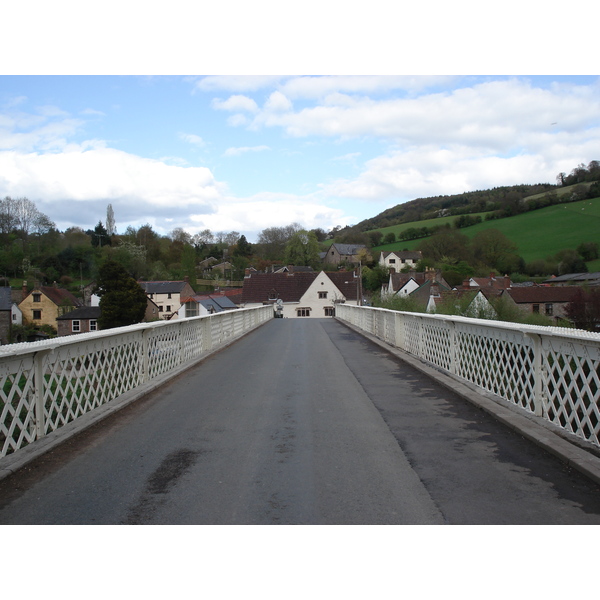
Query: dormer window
x,y
37,297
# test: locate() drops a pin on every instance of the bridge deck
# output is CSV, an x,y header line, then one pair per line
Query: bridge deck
x,y
300,422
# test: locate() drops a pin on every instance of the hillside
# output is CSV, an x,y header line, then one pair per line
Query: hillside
x,y
537,234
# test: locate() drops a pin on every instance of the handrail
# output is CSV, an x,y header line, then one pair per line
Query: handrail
x,y
551,372
47,384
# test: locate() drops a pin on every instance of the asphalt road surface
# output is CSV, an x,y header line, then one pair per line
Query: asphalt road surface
x,y
303,421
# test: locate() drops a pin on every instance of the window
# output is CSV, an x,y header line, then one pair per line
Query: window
x,y
303,312
191,309
168,296
392,261
536,308
322,295
37,297
76,328
329,311
37,315
168,308
93,325
160,309
549,309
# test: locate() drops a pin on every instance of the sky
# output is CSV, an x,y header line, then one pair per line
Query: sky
x,y
243,152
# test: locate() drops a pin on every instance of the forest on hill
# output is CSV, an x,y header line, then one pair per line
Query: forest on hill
x,y
497,202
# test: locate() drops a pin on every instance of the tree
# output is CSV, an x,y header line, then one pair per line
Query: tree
x,y
588,250
122,300
100,236
302,249
110,221
243,248
491,247
584,309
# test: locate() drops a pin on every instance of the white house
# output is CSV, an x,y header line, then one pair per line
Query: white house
x,y
301,294
399,259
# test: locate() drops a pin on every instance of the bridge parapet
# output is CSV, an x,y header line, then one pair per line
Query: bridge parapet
x,y
46,385
550,372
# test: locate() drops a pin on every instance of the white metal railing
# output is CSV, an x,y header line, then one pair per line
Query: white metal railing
x,y
45,385
551,372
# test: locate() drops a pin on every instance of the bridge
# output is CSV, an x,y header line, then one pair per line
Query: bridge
x,y
374,417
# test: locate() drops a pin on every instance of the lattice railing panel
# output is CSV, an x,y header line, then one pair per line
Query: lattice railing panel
x,y
437,348
572,387
81,377
164,350
497,360
17,404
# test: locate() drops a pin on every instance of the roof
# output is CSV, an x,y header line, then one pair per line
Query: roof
x,y
400,279
59,296
575,277
163,287
496,282
215,301
290,287
81,313
404,254
5,298
534,294
348,249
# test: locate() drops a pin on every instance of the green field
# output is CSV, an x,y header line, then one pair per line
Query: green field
x,y
537,234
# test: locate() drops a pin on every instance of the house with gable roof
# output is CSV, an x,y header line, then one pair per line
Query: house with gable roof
x,y
547,300
403,284
204,304
167,295
301,294
44,304
400,259
339,253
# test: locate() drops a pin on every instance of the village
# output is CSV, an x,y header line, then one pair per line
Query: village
x,y
298,292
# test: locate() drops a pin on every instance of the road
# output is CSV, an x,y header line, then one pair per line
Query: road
x,y
303,421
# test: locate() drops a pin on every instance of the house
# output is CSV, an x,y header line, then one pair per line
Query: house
x,y
167,295
466,303
339,253
429,292
403,284
81,320
399,259
301,294
200,305
547,300
492,282
43,305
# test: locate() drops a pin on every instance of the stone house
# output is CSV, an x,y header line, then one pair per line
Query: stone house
x,y
549,301
81,320
339,253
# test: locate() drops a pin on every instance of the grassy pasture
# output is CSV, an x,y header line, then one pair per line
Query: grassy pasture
x,y
537,234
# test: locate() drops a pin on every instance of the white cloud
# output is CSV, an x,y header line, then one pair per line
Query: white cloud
x,y
251,215
192,138
244,150
66,182
277,102
235,103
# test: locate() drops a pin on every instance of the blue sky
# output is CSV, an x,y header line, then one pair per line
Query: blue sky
x,y
245,152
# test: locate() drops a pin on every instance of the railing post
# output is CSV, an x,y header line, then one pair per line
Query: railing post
x,y
40,388
538,374
452,349
145,350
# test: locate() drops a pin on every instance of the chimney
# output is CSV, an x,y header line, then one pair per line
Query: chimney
x,y
434,290
186,279
466,284
24,291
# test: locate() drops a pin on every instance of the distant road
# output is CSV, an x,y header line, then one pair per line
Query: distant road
x,y
301,422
